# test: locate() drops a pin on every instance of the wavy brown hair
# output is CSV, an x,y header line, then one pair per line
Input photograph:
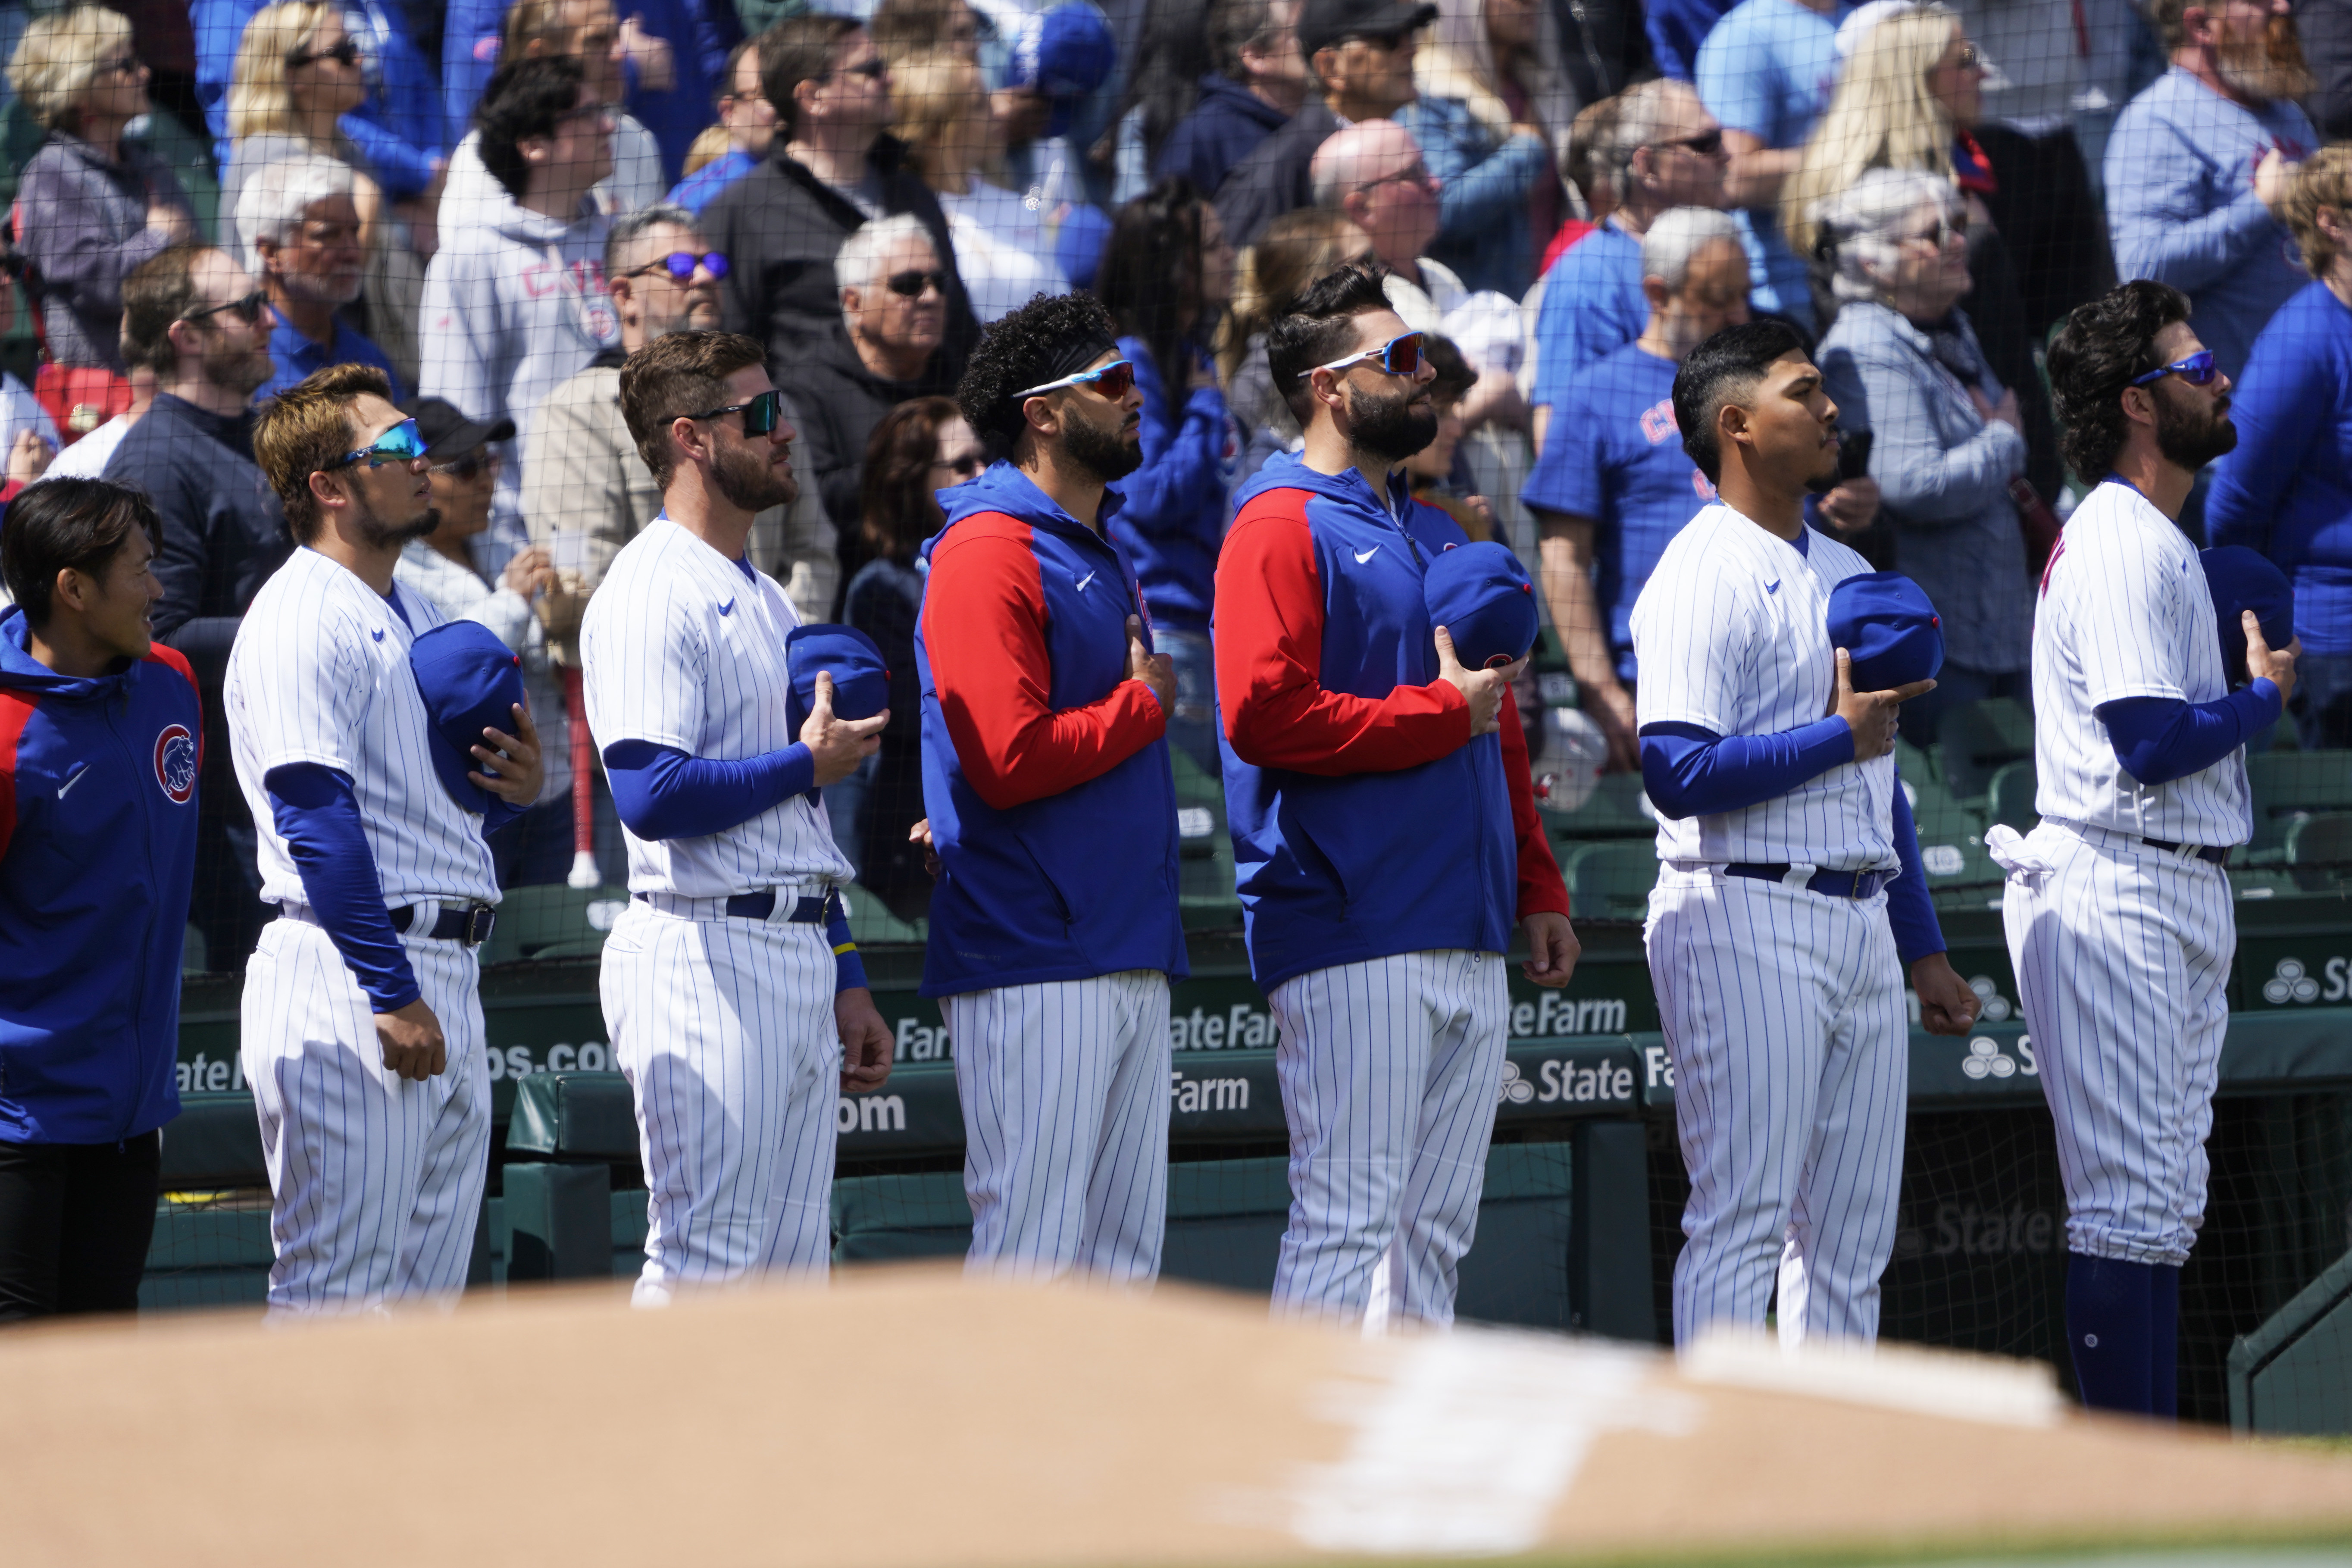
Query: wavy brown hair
x,y
896,508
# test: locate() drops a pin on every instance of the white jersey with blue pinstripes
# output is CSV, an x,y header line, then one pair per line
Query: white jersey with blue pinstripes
x,y
2126,612
681,648
319,673
1731,634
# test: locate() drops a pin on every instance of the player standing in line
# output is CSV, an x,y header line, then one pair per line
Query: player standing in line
x,y
1054,930
1789,897
360,1025
2117,908
1384,826
730,985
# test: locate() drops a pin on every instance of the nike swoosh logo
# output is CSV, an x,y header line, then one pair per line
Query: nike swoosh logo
x,y
79,775
1773,587
377,633
1084,581
728,608
1362,556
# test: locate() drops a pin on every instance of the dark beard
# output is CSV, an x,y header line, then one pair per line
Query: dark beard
x,y
1389,427
745,479
2189,440
1104,453
2268,65
378,534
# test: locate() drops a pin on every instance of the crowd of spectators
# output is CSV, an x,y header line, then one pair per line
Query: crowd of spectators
x,y
495,206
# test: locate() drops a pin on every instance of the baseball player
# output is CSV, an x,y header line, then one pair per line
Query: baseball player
x,y
1780,930
360,1026
1054,929
735,997
2117,908
1384,828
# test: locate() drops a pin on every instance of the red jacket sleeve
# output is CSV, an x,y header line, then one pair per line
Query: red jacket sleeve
x,y
1541,890
1269,649
15,712
984,629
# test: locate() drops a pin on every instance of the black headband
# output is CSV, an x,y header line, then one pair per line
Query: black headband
x,y
1075,355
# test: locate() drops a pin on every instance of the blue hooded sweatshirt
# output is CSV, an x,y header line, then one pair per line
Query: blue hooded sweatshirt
x,y
97,855
1171,509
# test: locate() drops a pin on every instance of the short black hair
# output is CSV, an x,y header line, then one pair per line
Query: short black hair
x,y
526,98
2104,345
1020,350
1718,372
1318,328
59,525
1454,375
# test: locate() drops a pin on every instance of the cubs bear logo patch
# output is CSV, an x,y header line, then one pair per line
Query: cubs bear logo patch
x,y
175,763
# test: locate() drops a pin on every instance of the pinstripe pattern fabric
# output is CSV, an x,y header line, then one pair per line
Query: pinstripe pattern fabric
x,y
1784,1017
724,1031
1065,1086
1389,1069
2123,956
377,1181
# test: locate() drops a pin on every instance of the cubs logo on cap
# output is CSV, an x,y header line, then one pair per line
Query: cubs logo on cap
x,y
861,681
1886,623
470,682
1481,594
2241,579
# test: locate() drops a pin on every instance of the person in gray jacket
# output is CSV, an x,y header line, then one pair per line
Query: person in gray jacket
x,y
1901,362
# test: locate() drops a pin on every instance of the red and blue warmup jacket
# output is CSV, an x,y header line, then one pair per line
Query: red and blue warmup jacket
x,y
1046,769
1366,821
97,855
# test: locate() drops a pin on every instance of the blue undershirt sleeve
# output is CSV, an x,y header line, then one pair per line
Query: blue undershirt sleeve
x,y
1689,771
848,969
2160,739
662,792
319,817
1909,910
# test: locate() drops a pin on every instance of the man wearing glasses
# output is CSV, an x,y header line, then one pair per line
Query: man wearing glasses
x,y
301,226
360,1026
735,997
2118,907
1383,821
1054,929
194,315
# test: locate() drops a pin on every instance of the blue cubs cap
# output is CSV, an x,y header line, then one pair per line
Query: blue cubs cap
x,y
1063,54
1885,620
2241,579
1481,594
1078,244
470,682
861,681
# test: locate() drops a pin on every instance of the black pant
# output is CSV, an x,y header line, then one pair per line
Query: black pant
x,y
75,1221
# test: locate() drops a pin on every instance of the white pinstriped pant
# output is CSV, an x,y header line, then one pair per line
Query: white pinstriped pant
x,y
375,1181
1065,1101
2123,956
725,1030
1784,1017
1388,1071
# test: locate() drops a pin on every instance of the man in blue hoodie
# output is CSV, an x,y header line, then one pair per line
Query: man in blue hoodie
x,y
1384,825
100,740
1054,930
1259,83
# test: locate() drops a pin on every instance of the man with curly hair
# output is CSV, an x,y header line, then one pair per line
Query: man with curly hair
x,y
1054,930
2117,908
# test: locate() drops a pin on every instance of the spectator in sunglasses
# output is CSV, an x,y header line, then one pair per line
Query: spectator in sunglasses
x,y
303,243
747,122
196,316
298,72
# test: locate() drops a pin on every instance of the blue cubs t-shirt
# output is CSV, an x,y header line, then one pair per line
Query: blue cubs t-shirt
x,y
1593,304
1614,455
1768,69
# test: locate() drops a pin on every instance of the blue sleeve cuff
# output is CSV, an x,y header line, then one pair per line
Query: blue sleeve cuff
x,y
1910,910
1688,771
848,969
662,792
319,817
2160,739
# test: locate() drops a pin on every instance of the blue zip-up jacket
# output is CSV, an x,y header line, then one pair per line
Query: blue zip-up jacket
x,y
1046,768
97,855
1172,511
1366,821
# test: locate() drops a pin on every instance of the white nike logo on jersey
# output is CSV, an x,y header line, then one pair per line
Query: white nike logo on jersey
x,y
1365,555
1084,581
76,778
728,608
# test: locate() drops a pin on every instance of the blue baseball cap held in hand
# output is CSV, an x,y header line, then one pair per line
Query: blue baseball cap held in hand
x,y
2241,579
1481,594
1885,622
861,681
470,682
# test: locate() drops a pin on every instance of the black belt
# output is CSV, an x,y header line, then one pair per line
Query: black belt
x,y
468,923
759,906
2212,854
1832,884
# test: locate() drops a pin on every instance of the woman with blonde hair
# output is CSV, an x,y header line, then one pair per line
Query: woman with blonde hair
x,y
298,72
1295,249
1003,250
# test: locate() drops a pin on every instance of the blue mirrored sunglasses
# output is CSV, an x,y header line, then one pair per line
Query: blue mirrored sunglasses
x,y
2197,370
400,444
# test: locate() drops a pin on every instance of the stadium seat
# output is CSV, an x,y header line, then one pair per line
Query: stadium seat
x,y
1611,882
1951,844
1978,738
1617,809
871,921
1204,847
552,921
1915,763
2319,851
2291,785
196,957
2011,797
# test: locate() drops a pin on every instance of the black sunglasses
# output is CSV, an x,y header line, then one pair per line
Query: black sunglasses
x,y
472,466
872,69
1707,143
247,310
681,266
760,416
913,281
345,53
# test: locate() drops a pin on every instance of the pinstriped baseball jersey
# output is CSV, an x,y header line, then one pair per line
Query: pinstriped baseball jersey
x,y
1731,634
681,648
319,674
2126,612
